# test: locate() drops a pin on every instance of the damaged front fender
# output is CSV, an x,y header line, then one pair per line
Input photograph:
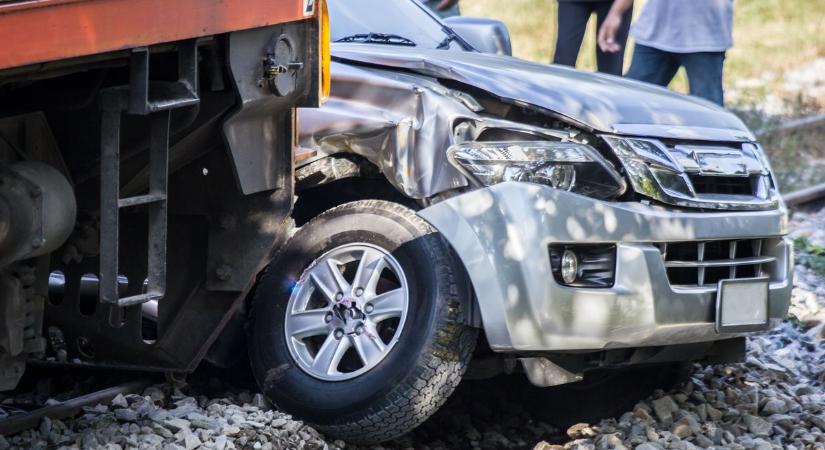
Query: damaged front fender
x,y
402,123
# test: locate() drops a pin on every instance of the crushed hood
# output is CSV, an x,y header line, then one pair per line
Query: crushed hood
x,y
600,102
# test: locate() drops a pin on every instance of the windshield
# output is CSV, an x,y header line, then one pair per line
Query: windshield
x,y
393,22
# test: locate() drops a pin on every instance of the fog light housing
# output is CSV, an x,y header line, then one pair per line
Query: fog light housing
x,y
569,266
591,266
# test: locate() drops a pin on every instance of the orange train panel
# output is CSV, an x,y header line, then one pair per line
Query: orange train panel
x,y
37,31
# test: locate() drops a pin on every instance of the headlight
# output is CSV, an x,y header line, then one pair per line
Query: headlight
x,y
567,166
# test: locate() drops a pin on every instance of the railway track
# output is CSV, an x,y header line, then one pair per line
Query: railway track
x,y
16,423
808,198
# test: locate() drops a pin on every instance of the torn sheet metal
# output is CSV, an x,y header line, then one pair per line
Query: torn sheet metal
x,y
401,122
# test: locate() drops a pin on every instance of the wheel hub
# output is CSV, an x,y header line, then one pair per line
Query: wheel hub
x,y
347,317
346,312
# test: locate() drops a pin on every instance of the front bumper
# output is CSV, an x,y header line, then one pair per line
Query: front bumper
x,y
502,234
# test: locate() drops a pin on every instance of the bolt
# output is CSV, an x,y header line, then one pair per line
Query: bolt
x,y
328,317
339,334
359,329
359,292
223,272
38,242
369,308
339,296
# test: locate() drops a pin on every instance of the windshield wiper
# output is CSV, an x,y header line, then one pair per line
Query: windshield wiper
x,y
451,36
378,38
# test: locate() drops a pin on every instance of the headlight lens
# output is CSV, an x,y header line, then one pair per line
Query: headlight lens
x,y
567,166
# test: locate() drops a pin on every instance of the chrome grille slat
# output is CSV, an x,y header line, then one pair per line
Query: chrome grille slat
x,y
704,263
757,250
732,263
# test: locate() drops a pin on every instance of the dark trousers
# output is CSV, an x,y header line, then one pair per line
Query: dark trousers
x,y
704,70
572,22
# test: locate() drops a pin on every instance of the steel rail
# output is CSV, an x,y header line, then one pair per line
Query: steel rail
x,y
68,408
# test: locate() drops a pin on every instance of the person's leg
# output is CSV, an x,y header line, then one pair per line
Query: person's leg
x,y
704,72
652,66
449,12
572,20
612,63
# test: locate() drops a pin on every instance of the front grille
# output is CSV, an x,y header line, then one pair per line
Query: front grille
x,y
704,184
705,263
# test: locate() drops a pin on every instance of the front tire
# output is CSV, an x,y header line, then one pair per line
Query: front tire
x,y
358,325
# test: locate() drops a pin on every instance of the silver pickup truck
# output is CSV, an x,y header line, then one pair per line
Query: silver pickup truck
x,y
460,209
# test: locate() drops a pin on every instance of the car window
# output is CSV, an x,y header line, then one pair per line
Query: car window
x,y
399,18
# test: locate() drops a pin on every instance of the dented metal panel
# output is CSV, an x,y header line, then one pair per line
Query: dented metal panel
x,y
401,122
597,101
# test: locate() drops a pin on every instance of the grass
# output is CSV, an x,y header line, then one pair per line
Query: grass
x,y
769,35
810,255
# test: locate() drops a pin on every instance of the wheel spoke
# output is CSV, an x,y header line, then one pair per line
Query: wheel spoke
x,y
330,354
388,305
369,271
369,345
355,311
329,279
308,323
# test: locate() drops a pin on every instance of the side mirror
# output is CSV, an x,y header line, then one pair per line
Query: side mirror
x,y
486,35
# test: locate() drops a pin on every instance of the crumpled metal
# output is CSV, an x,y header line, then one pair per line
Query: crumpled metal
x,y
400,122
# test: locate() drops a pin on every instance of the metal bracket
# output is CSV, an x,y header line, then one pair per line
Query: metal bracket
x,y
280,68
155,99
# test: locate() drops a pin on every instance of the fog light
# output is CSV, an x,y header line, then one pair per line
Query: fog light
x,y
569,267
591,266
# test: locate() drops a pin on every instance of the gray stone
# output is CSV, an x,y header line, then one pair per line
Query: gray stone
x,y
761,444
190,441
150,440
757,425
175,424
119,401
664,408
580,431
683,445
713,413
126,415
201,421
783,420
774,406
259,401
155,394
682,430
648,446
817,421
703,441
183,410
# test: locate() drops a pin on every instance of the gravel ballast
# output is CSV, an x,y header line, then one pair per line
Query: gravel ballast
x,y
774,400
